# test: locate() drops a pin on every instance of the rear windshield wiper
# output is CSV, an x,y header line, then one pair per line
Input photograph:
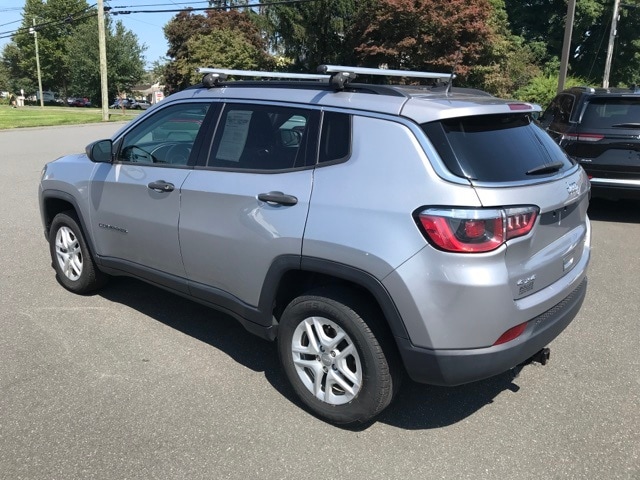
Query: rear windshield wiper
x,y
627,125
546,168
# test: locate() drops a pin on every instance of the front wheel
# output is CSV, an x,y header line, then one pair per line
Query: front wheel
x,y
71,258
336,364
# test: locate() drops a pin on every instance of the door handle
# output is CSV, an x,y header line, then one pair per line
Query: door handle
x,y
161,186
278,197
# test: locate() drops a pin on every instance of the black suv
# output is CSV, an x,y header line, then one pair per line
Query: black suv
x,y
600,128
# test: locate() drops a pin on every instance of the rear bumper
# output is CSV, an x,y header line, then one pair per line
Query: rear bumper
x,y
615,188
455,367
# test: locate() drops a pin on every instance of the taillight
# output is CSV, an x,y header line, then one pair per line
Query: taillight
x,y
475,230
582,137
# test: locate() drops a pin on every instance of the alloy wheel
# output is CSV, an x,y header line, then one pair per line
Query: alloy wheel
x,y
69,253
326,360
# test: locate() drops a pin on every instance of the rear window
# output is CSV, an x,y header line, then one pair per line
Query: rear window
x,y
494,148
605,112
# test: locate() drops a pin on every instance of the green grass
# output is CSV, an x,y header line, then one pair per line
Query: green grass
x,y
50,116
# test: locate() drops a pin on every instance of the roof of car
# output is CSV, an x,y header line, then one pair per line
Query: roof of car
x,y
633,90
421,103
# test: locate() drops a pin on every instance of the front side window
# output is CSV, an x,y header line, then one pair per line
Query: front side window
x,y
262,137
166,138
494,148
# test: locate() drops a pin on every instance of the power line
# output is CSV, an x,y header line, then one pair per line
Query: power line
x,y
159,4
73,17
9,23
232,7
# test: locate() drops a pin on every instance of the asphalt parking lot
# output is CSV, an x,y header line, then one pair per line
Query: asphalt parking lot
x,y
135,383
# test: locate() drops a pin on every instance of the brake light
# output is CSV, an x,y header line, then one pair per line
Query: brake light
x,y
583,137
520,106
511,334
475,230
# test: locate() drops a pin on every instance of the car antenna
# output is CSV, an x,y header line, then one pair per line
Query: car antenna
x,y
453,71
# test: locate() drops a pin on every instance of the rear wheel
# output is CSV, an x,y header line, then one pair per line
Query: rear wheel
x,y
337,365
71,258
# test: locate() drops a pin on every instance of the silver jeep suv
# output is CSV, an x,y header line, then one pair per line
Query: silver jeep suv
x,y
372,230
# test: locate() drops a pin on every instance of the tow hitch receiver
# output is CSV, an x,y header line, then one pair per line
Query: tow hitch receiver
x,y
541,357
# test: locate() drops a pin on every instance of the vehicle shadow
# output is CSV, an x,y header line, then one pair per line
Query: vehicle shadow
x,y
415,407
424,407
623,211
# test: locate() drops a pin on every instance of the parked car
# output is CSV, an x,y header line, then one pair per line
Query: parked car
x,y
600,129
139,105
130,103
79,102
119,102
371,230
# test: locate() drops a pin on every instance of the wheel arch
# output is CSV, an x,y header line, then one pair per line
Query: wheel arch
x,y
291,276
53,202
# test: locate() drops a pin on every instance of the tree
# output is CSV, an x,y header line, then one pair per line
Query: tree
x,y
11,60
313,33
226,49
422,34
157,73
589,40
507,62
625,69
125,60
4,77
227,3
542,89
56,22
224,39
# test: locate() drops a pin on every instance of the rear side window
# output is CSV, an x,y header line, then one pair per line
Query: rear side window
x,y
335,140
603,112
262,137
559,111
494,148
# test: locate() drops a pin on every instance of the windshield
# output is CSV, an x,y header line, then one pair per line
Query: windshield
x,y
496,148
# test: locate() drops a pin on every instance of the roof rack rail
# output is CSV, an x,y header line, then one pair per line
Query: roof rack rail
x,y
342,75
337,75
384,72
214,76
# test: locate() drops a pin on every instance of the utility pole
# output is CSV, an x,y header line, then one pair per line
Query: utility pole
x,y
566,44
102,46
612,38
35,37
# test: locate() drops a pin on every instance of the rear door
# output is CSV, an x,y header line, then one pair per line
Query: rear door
x,y
247,203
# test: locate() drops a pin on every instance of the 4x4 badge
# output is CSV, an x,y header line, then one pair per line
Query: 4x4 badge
x,y
525,284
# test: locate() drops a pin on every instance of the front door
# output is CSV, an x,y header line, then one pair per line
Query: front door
x,y
135,201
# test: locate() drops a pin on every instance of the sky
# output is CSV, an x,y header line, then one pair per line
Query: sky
x,y
147,26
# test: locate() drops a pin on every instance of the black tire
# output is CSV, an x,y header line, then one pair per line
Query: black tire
x,y
376,363
71,259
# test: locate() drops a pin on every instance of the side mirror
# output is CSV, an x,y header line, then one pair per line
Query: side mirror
x,y
100,151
